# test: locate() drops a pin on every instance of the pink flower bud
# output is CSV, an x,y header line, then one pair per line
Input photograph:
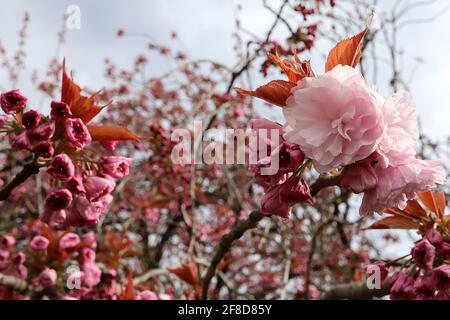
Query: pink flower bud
x,y
8,241
271,203
443,295
47,278
424,287
90,239
18,258
21,142
109,145
4,259
75,185
85,213
360,176
91,274
58,199
44,149
12,102
97,187
21,271
39,243
43,133
295,190
441,277
434,237
31,119
443,250
114,166
423,254
403,287
280,198
60,110
58,220
69,240
87,255
61,167
77,133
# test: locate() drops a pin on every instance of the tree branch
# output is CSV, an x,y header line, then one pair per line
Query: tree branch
x,y
225,244
355,291
27,171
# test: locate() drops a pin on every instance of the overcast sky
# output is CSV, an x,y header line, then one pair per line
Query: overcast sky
x,y
205,27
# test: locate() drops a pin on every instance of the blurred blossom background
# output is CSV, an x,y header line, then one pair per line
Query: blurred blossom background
x,y
204,29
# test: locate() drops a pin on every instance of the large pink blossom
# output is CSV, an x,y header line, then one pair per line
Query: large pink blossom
x,y
397,184
334,118
77,134
397,145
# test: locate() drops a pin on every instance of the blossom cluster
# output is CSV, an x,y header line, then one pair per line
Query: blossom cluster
x,y
340,122
39,257
286,187
429,276
345,127
80,186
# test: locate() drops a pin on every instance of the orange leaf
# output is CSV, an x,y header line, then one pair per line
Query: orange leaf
x,y
395,222
435,201
294,71
129,294
111,133
409,212
275,92
414,208
81,106
347,52
186,272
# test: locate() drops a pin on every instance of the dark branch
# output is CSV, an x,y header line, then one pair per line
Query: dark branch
x,y
243,225
225,244
27,171
355,291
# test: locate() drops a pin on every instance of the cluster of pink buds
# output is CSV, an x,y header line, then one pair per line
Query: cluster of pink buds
x,y
80,186
286,187
12,261
80,198
429,278
426,275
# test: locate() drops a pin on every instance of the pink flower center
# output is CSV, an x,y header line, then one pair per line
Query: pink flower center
x,y
340,125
